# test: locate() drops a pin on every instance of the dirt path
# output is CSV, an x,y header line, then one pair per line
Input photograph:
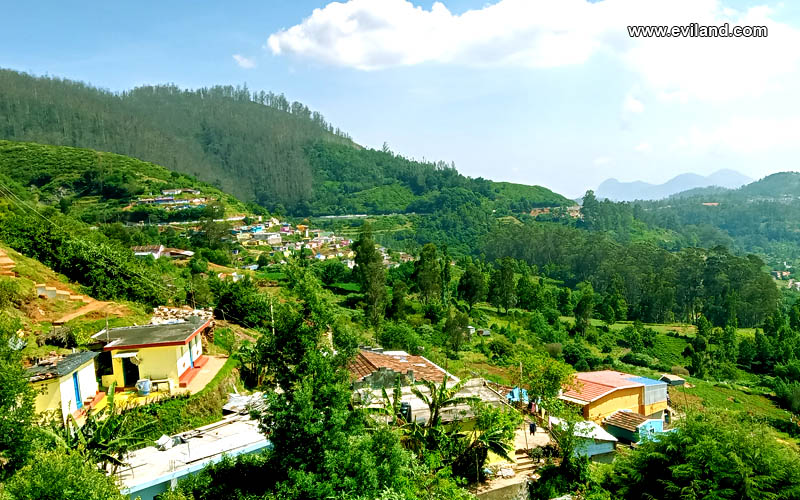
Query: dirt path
x,y
95,305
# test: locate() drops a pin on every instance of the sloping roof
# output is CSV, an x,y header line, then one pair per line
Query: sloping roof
x,y
132,337
147,248
585,429
628,420
592,386
59,366
673,379
367,362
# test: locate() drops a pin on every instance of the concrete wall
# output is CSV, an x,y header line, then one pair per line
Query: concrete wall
x,y
622,399
48,395
154,363
592,447
51,393
653,409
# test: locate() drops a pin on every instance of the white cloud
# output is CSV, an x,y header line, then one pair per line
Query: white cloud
x,y
745,135
371,35
643,147
632,105
244,62
603,160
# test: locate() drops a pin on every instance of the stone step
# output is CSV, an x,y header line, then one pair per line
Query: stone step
x,y
62,295
525,467
6,272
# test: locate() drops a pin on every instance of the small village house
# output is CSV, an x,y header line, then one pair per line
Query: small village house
x,y
591,440
600,394
154,251
67,383
170,354
372,371
630,427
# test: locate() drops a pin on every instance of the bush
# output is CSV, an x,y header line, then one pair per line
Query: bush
x,y
637,359
63,475
399,336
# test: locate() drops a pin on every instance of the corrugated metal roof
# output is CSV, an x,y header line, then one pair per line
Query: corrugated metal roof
x,y
627,420
591,386
367,362
59,366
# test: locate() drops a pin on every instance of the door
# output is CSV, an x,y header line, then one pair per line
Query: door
x,y
130,372
191,354
78,398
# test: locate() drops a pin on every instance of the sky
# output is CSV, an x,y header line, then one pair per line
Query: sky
x,y
548,92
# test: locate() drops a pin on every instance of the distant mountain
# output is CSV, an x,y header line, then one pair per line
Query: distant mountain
x,y
638,190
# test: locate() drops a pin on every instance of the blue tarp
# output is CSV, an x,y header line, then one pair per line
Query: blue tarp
x,y
516,394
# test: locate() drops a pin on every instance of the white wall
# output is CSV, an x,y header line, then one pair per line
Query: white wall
x,y
87,381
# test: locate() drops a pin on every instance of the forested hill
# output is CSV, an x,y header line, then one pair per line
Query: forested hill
x,y
104,187
257,146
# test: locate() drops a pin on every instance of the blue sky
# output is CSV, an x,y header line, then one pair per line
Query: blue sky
x,y
549,92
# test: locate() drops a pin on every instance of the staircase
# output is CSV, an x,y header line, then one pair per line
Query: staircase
x,y
523,463
7,265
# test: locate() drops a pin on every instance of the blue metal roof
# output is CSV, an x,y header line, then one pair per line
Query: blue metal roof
x,y
646,381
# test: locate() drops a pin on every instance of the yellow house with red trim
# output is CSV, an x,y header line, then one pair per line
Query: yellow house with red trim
x,y
169,354
602,393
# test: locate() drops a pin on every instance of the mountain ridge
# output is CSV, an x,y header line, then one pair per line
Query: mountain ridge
x,y
616,190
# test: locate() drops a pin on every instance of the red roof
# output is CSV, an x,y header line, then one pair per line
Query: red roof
x,y
367,362
591,386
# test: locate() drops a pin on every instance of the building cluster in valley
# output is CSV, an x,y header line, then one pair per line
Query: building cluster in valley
x,y
174,199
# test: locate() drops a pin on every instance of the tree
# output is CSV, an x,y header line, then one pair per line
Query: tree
x,y
61,475
16,397
472,286
544,377
371,275
585,307
447,275
697,350
455,329
721,455
398,307
502,286
428,274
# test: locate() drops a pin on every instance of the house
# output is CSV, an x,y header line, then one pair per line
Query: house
x,y
379,369
154,251
670,379
601,393
177,253
592,440
66,383
415,409
170,353
632,427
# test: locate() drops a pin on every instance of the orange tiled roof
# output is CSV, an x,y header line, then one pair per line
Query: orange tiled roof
x,y
367,362
627,420
594,385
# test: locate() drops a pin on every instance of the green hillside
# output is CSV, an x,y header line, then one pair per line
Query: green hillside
x,y
257,146
94,186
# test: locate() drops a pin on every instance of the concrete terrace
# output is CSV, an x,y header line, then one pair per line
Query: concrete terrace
x,y
151,471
